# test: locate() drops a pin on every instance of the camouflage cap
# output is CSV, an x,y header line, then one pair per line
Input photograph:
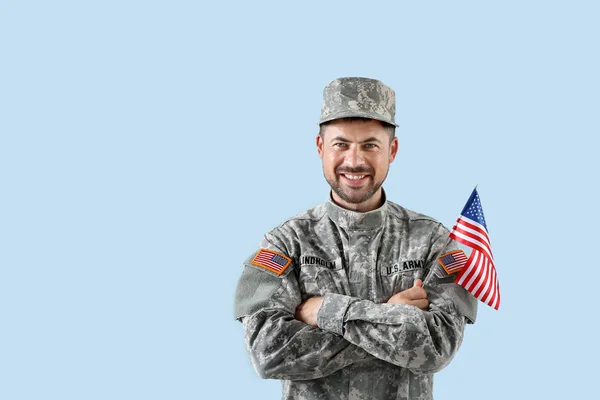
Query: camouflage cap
x,y
358,97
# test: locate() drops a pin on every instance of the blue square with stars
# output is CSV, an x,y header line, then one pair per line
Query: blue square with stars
x,y
473,209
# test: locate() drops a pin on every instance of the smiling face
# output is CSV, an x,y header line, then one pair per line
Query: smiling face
x,y
356,156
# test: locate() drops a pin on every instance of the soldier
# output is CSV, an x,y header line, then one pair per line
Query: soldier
x,y
333,302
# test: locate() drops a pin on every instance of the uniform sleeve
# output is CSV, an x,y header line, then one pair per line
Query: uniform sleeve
x,y
280,346
423,341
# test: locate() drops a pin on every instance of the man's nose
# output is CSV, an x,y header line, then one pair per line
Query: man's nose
x,y
354,157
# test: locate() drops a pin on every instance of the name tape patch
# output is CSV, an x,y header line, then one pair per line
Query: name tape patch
x,y
312,260
453,262
402,266
271,260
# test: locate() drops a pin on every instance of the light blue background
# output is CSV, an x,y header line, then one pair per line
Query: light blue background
x,y
146,147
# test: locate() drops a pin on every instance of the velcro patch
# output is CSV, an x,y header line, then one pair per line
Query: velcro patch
x,y
313,260
402,266
453,262
271,260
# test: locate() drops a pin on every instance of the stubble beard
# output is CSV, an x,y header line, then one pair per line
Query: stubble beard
x,y
351,195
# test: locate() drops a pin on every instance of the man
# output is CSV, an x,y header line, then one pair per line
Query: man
x,y
333,303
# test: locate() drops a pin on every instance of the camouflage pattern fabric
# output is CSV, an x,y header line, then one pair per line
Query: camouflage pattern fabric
x,y
362,348
358,97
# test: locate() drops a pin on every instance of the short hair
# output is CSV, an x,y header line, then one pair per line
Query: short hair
x,y
391,129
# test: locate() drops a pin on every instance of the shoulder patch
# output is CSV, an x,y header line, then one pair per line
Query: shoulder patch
x,y
271,260
453,261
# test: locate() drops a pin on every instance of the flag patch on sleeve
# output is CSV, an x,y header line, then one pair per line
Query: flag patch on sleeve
x,y
453,262
272,261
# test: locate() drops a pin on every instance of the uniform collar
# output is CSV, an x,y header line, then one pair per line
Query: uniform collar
x,y
348,219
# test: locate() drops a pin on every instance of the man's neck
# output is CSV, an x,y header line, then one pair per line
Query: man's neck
x,y
372,203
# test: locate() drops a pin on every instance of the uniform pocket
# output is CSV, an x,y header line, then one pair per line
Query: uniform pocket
x,y
315,280
399,282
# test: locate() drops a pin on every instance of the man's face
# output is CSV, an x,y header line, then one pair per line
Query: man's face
x,y
356,158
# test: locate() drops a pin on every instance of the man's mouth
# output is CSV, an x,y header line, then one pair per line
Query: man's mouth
x,y
354,177
354,180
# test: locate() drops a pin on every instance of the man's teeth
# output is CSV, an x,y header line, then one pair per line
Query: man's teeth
x,y
354,177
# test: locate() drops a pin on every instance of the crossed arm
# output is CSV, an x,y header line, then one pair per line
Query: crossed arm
x,y
415,296
294,340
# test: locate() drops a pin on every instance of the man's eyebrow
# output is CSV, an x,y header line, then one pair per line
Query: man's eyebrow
x,y
371,139
339,139
343,139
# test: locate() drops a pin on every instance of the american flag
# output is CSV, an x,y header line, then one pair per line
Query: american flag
x,y
453,261
479,274
271,260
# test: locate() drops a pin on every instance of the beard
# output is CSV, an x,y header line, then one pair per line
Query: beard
x,y
354,195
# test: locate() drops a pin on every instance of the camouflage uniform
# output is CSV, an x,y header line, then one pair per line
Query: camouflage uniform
x,y
362,348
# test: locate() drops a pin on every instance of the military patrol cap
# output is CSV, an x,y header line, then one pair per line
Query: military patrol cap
x,y
358,97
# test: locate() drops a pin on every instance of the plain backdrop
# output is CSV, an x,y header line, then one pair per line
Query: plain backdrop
x,y
146,147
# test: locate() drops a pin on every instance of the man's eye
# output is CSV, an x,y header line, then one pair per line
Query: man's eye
x,y
340,145
370,146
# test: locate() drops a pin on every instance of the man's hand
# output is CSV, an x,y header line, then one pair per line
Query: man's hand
x,y
307,311
415,296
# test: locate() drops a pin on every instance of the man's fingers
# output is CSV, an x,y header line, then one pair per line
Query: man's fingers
x,y
308,310
422,304
418,283
413,296
415,293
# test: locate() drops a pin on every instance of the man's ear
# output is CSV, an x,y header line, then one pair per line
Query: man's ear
x,y
393,149
320,146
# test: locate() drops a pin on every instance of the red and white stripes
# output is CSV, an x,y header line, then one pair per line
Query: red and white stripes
x,y
479,274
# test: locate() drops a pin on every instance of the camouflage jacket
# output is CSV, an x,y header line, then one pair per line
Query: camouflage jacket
x,y
362,348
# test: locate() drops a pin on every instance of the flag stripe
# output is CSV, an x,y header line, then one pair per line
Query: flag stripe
x,y
495,292
467,241
479,237
473,269
484,280
468,271
496,303
472,231
474,226
489,293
